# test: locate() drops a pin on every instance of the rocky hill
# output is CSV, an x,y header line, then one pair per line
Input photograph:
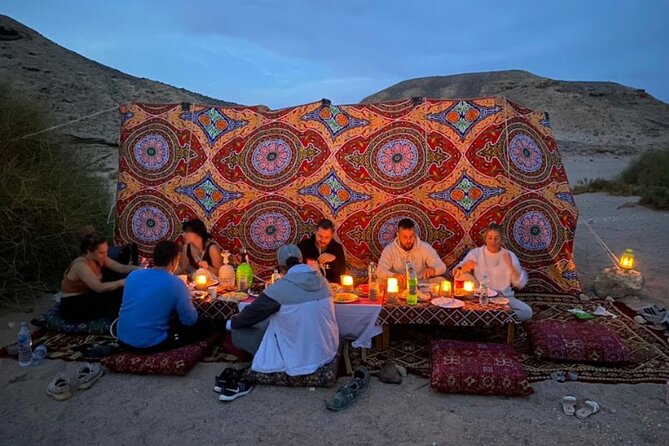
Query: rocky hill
x,y
587,117
71,86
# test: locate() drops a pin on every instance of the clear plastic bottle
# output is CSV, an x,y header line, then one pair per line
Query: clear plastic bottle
x,y
373,282
412,284
483,291
226,273
25,344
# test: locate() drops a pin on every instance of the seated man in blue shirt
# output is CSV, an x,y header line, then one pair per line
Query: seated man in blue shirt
x,y
146,322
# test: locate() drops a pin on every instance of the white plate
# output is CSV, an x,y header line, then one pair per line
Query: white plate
x,y
447,302
499,300
491,293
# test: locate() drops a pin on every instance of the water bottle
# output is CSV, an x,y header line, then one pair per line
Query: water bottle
x,y
412,285
373,282
25,344
483,291
39,354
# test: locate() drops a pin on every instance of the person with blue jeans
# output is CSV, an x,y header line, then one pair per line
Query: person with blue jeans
x,y
156,312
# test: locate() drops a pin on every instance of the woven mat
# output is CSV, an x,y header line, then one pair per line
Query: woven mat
x,y
650,350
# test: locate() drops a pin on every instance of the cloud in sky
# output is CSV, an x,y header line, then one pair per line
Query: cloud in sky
x,y
282,53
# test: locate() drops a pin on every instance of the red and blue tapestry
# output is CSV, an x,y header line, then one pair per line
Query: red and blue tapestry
x,y
260,178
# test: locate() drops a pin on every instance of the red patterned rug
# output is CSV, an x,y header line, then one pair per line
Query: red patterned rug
x,y
409,346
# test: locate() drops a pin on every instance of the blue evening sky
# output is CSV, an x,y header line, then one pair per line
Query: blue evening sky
x,y
283,53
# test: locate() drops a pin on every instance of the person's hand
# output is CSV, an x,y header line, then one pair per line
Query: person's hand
x,y
121,283
313,264
429,273
326,258
203,264
468,266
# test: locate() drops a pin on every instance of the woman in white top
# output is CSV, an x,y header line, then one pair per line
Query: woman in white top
x,y
501,267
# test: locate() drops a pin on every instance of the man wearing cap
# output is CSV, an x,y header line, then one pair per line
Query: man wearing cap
x,y
291,326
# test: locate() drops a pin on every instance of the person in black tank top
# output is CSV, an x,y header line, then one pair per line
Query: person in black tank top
x,y
199,250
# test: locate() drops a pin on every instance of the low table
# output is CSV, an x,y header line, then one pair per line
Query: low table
x,y
472,314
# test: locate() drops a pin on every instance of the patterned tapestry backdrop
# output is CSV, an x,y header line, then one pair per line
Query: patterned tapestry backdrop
x,y
261,178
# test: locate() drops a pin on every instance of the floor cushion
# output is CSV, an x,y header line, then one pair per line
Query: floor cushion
x,y
325,376
577,341
173,362
477,368
52,320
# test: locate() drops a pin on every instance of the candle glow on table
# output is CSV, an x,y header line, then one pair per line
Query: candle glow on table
x,y
445,288
392,288
347,283
468,286
201,282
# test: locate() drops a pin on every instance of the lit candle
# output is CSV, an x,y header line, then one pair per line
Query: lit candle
x,y
392,288
201,282
347,283
445,288
468,286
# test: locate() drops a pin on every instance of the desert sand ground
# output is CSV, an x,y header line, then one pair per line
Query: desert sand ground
x,y
122,409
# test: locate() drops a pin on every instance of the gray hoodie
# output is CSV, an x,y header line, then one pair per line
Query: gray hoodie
x,y
301,284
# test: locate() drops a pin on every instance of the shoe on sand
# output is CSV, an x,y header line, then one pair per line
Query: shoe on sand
x,y
236,389
88,374
559,376
350,392
588,408
226,380
59,388
389,373
569,404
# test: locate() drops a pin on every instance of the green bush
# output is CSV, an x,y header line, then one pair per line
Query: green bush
x,y
647,177
46,198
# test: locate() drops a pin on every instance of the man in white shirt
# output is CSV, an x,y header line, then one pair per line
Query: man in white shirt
x,y
407,246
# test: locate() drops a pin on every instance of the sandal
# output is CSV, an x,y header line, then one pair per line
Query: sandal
x,y
569,404
588,408
59,388
88,374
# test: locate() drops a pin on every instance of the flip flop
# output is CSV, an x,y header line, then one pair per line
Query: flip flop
x,y
88,374
569,404
589,408
59,388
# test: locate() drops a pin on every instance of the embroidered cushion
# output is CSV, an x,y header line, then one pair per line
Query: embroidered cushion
x,y
326,376
577,341
173,362
52,320
477,368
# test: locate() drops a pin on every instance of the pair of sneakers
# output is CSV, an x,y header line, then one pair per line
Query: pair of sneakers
x,y
230,385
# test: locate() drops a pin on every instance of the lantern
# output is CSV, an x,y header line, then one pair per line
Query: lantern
x,y
468,286
627,259
201,282
445,288
392,288
347,283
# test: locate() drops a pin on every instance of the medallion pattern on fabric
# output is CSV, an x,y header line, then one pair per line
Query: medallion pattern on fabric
x,y
260,178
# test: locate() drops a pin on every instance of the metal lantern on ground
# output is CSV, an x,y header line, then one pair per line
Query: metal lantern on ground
x,y
627,259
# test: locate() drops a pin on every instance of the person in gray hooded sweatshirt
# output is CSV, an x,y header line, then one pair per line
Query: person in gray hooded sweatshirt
x,y
291,326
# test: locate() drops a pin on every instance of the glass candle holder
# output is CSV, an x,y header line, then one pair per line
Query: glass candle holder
x,y
347,283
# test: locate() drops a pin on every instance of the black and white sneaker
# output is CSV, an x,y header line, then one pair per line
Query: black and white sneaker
x,y
230,394
227,379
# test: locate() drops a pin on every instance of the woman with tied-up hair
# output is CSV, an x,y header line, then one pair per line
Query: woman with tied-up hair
x,y
501,267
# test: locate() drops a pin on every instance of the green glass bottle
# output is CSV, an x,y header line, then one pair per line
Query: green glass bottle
x,y
412,285
244,272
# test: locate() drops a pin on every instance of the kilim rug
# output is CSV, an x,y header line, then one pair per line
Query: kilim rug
x,y
409,346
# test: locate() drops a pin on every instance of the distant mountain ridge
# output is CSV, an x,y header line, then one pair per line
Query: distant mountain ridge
x,y
587,117
71,86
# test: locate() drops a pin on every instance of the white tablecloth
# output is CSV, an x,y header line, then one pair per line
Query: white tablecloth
x,y
356,322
